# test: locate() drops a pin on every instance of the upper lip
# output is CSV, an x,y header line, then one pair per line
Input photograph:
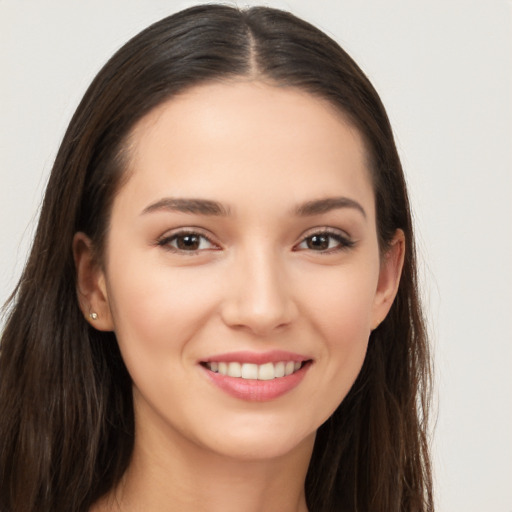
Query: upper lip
x,y
274,356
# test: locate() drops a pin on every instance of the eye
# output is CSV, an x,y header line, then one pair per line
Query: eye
x,y
325,241
187,241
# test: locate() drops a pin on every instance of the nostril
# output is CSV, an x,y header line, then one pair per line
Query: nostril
x,y
244,315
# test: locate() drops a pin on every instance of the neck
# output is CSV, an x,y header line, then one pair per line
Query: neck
x,y
170,474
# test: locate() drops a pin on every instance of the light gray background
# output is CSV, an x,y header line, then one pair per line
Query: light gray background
x,y
443,69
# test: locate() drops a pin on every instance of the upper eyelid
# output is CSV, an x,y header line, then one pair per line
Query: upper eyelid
x,y
168,235
172,234
345,240
189,230
325,229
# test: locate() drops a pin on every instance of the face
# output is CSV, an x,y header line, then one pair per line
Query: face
x,y
242,273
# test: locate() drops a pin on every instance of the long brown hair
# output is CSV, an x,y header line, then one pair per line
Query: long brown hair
x,y
66,412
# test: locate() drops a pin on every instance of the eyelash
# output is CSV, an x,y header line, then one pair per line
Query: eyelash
x,y
166,242
342,242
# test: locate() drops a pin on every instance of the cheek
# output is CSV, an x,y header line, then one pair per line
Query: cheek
x,y
341,314
156,308
342,305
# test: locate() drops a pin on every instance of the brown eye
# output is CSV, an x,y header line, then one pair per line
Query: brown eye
x,y
325,242
187,242
318,242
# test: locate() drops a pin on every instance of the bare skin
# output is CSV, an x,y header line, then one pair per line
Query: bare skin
x,y
246,226
190,480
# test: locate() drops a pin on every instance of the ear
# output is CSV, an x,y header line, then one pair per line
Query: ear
x,y
391,266
90,285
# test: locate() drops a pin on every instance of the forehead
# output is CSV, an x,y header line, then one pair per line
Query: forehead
x,y
250,137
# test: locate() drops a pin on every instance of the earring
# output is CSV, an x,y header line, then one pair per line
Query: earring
x,y
93,315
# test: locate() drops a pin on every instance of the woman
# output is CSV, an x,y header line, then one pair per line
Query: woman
x,y
220,307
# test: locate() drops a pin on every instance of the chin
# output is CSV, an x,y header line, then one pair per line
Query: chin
x,y
260,448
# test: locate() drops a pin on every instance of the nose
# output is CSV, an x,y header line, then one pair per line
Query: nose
x,y
258,294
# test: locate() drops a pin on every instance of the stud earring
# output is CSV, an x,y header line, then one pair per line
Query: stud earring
x,y
93,315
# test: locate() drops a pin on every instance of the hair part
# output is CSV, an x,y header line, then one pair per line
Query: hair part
x,y
66,411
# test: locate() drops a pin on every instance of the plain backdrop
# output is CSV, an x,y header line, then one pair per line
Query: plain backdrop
x,y
444,71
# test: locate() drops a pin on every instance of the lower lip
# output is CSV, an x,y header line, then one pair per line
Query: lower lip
x,y
257,390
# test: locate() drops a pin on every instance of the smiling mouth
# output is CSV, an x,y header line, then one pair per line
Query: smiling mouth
x,y
251,371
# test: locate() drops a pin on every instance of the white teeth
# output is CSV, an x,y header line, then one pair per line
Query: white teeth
x,y
267,371
234,369
279,369
249,371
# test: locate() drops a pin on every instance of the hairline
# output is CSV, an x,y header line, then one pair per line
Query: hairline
x,y
126,153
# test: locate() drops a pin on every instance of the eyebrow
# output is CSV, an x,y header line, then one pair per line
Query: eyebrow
x,y
183,205
320,206
209,207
